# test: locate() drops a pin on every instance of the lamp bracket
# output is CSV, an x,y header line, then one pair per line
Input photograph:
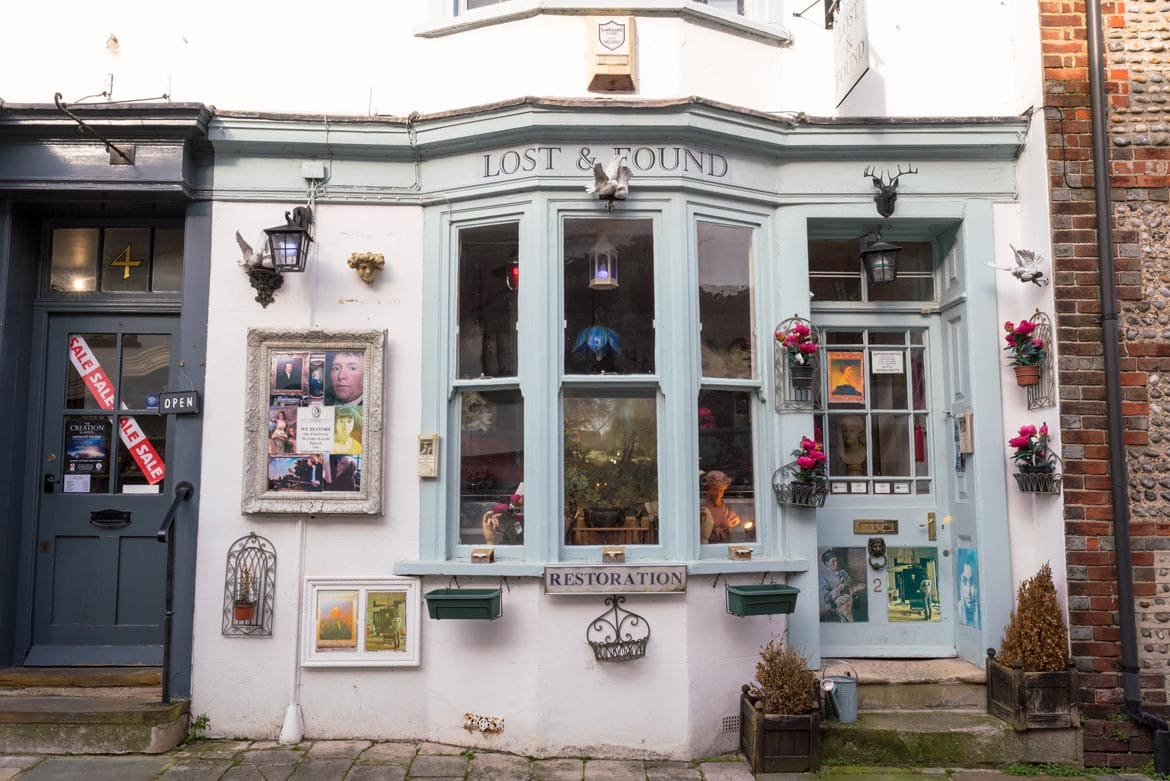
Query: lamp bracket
x,y
126,155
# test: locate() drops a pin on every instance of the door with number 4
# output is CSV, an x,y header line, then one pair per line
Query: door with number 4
x,y
99,569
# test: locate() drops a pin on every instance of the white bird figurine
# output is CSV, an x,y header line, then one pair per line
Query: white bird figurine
x,y
253,259
1030,267
612,182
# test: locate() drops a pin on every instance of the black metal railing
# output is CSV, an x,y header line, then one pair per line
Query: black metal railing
x,y
183,492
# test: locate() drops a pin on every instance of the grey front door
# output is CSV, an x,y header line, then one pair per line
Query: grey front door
x,y
99,570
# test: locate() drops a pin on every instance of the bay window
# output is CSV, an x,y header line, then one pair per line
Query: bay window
x,y
605,385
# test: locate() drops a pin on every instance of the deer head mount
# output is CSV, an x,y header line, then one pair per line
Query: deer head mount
x,y
887,187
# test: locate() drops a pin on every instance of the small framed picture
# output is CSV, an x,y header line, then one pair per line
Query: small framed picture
x,y
313,423
360,622
846,377
428,455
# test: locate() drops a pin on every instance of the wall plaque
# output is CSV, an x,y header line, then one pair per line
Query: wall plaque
x,y
616,579
874,526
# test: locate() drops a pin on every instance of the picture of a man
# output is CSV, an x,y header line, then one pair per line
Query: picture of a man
x,y
838,589
335,620
968,601
288,374
345,383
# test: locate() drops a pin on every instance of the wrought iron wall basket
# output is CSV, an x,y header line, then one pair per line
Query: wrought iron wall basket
x,y
797,386
1038,482
618,635
249,588
790,491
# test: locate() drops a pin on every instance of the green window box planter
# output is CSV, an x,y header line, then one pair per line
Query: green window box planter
x,y
761,600
486,604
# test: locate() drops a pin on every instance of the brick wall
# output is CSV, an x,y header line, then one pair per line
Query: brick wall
x,y
1137,51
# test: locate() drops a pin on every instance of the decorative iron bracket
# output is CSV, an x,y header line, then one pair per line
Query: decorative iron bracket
x,y
796,392
111,147
1041,394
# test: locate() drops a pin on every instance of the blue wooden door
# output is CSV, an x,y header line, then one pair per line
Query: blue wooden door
x,y
103,491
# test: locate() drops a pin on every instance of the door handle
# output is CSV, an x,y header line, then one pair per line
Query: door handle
x,y
931,527
110,519
49,483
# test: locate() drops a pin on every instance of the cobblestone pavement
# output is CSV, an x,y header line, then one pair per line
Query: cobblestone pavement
x,y
364,760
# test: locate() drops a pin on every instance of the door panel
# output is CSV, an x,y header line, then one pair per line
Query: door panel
x,y
100,571
884,557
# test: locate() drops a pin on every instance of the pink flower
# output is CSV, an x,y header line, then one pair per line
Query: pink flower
x,y
516,499
1043,429
1009,326
818,455
499,507
1025,327
1028,430
1039,343
808,347
807,444
806,462
1019,441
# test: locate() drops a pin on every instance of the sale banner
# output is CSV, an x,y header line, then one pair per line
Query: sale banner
x,y
102,389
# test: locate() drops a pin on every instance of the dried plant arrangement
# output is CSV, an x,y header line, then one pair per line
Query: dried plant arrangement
x,y
784,681
1036,638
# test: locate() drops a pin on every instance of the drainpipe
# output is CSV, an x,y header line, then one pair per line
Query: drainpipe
x,y
1119,476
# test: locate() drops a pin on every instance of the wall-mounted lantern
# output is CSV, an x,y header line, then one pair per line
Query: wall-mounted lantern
x,y
288,244
881,261
603,264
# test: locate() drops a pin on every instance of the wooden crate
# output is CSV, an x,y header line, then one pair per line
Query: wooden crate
x,y
1029,700
776,743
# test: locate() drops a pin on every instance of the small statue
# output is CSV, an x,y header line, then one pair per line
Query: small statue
x,y
612,182
367,264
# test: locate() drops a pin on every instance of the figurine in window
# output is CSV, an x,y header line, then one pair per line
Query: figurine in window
x,y
852,451
716,519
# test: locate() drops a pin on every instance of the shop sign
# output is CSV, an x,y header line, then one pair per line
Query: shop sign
x,y
615,579
851,53
179,403
644,160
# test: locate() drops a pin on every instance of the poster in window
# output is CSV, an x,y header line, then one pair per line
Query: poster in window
x,y
846,377
360,622
87,446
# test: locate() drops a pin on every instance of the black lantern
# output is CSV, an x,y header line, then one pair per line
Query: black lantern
x,y
881,261
603,265
289,244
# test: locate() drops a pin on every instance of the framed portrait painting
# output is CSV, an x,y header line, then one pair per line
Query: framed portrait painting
x,y
846,377
313,422
360,622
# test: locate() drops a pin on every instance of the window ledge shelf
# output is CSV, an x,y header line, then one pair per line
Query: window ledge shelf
x,y
683,9
527,569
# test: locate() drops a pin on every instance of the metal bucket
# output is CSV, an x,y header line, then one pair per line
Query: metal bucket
x,y
842,699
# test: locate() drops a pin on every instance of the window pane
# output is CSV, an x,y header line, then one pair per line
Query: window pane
x,y
904,288
725,300
131,477
891,445
887,387
87,453
73,267
491,467
104,348
125,259
611,470
167,273
921,454
488,288
609,296
146,363
727,507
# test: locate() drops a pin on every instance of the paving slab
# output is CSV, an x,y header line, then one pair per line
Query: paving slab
x,y
434,765
196,770
212,749
491,766
615,770
558,770
338,748
258,773
389,753
673,771
271,756
7,773
19,761
97,768
377,773
331,769
726,771
439,748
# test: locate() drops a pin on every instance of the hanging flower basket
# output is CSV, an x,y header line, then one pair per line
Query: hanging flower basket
x,y
802,482
1037,465
801,376
1038,479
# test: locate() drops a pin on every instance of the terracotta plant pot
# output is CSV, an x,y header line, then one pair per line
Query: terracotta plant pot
x,y
244,612
1027,375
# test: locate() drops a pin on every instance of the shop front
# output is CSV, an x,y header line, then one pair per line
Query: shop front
x,y
581,421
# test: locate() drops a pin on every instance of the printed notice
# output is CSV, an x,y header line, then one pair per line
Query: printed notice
x,y
886,361
315,429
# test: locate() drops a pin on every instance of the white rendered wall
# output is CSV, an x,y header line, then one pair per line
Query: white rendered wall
x,y
932,58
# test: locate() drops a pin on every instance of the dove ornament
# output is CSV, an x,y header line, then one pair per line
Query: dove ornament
x,y
257,264
1030,267
611,182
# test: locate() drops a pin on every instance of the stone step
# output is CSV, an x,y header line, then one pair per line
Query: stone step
x,y
85,677
912,684
943,738
79,710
